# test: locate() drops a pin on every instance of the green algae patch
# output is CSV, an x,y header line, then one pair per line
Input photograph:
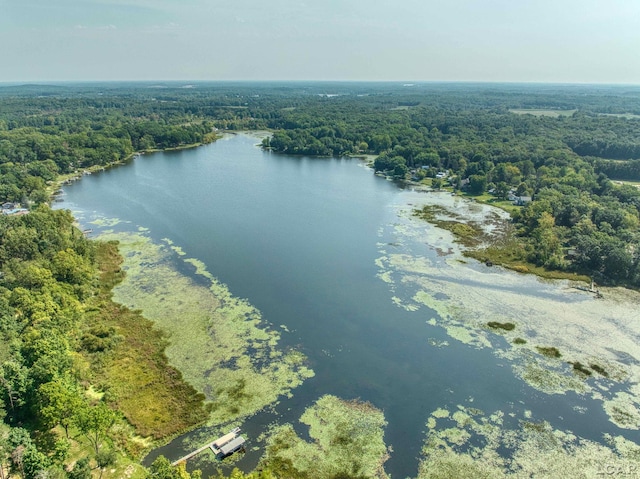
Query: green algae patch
x,y
440,413
106,222
481,446
459,330
220,343
549,378
624,410
464,335
471,301
347,440
176,249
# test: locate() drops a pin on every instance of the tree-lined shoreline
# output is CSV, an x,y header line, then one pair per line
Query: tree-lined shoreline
x,y
65,346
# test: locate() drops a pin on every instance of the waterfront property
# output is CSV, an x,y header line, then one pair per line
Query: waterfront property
x,y
13,209
221,447
337,263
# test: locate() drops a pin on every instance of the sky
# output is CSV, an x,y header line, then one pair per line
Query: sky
x,y
557,41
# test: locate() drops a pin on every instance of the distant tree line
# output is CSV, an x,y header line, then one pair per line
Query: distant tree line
x,y
579,220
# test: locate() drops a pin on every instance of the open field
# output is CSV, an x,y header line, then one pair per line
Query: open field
x,y
628,116
551,113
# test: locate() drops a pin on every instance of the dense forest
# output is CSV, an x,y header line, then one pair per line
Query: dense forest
x,y
569,155
571,163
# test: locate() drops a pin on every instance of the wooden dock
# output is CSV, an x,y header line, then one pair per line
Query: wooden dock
x,y
194,453
217,446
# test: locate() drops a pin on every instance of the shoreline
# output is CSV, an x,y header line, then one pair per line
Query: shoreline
x,y
555,337
480,253
495,248
423,286
67,178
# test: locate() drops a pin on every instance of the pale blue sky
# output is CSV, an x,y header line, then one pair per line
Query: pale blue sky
x,y
574,41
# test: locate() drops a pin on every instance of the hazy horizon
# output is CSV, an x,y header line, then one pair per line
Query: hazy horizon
x,y
186,83
494,41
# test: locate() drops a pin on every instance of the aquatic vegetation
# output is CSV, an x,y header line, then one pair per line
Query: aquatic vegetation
x,y
549,351
458,330
505,326
103,222
465,229
554,318
541,374
131,368
347,440
438,344
482,446
465,335
624,410
599,369
581,368
220,343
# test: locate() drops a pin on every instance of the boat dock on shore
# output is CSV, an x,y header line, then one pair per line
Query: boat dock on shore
x,y
221,447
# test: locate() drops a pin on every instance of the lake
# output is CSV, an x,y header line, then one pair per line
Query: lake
x,y
307,241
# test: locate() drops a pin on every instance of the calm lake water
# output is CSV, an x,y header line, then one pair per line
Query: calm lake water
x,y
299,237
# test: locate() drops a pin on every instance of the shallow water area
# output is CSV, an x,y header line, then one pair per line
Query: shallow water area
x,y
324,260
604,332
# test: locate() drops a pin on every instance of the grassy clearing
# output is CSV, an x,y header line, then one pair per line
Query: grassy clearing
x,y
627,182
123,466
489,199
540,112
505,205
121,359
129,364
628,116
